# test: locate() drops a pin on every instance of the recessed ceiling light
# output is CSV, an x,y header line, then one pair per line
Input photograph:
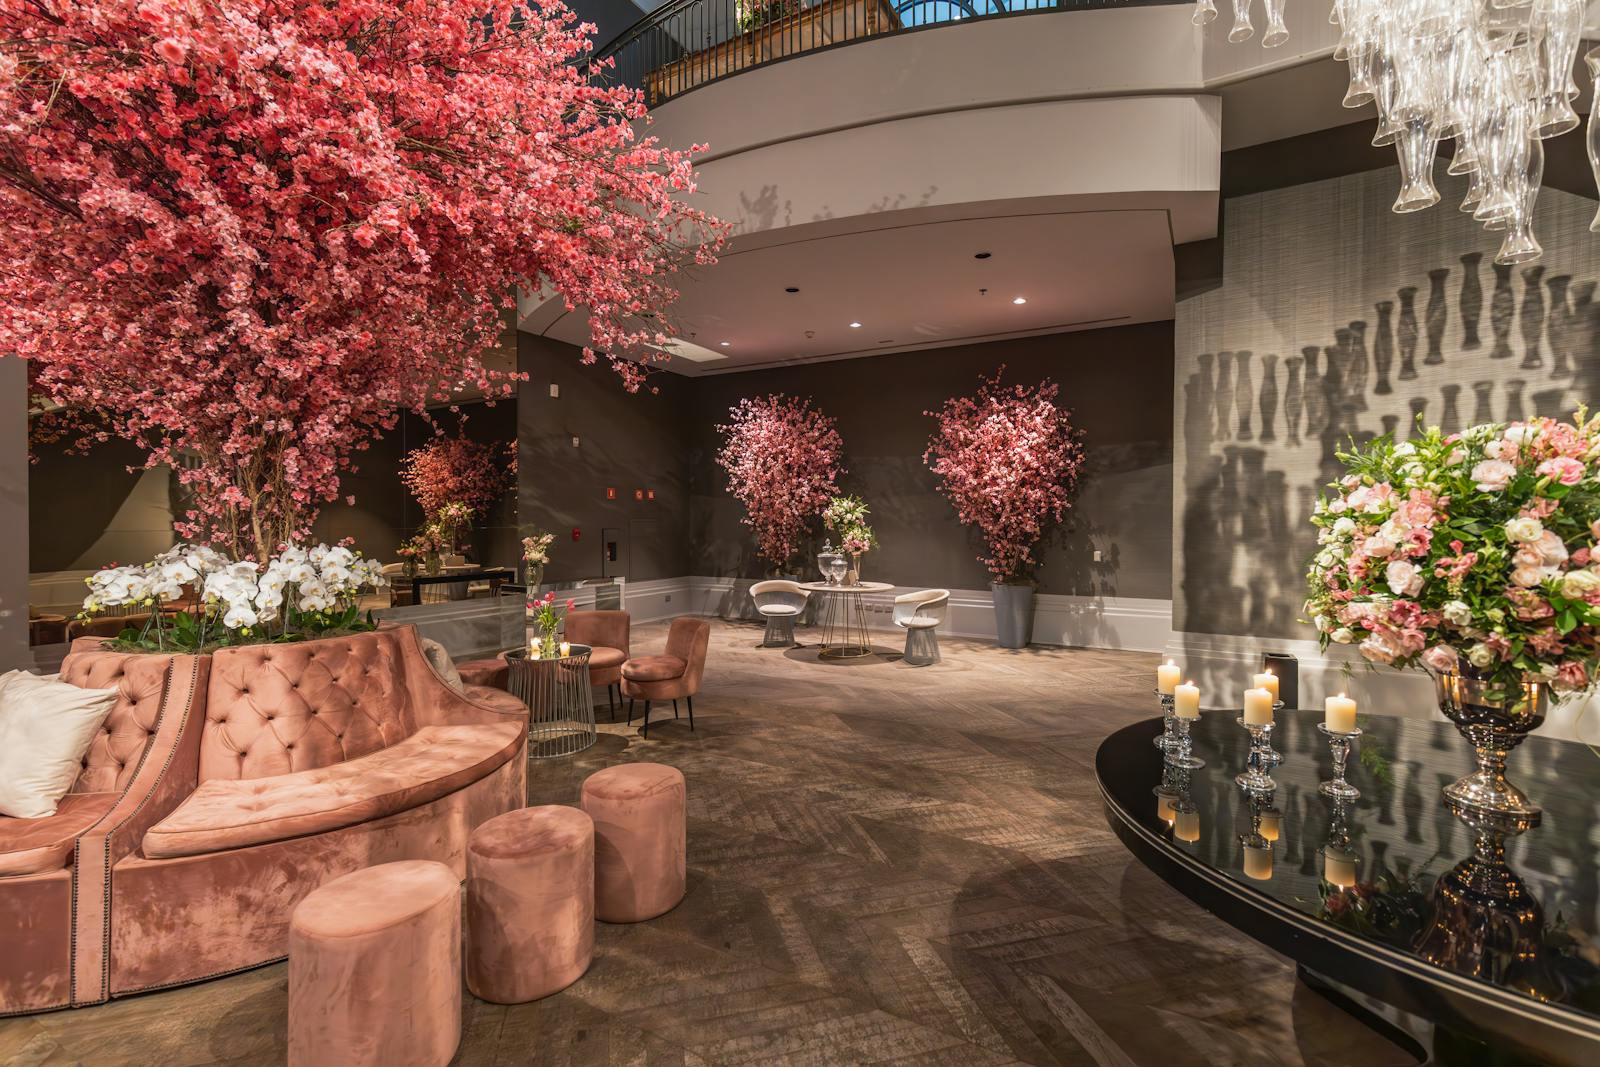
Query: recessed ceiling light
x,y
792,289
982,255
725,344
1019,300
855,326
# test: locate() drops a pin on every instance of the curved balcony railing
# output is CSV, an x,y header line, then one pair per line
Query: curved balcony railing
x,y
684,44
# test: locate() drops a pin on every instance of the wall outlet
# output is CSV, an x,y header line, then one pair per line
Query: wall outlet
x,y
574,440
1097,555
555,391
668,599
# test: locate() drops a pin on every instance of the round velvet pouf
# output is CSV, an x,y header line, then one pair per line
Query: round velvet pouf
x,y
530,903
375,969
640,839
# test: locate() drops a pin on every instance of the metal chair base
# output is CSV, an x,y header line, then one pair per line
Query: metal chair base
x,y
780,632
922,646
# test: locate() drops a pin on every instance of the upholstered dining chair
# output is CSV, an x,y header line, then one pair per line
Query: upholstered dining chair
x,y
606,634
673,675
920,614
780,602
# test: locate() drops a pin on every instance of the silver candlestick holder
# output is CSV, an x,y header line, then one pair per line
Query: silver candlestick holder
x,y
1254,778
1168,738
1271,757
1339,742
1181,754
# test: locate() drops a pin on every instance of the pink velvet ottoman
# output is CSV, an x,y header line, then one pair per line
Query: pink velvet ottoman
x,y
640,840
530,903
375,969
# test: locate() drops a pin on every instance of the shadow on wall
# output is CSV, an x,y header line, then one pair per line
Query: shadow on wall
x,y
1469,346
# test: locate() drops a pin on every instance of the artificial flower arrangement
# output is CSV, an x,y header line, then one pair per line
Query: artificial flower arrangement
x,y
547,617
300,593
536,549
847,517
424,546
782,458
1469,552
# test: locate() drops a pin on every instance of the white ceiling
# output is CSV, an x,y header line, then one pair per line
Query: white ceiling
x,y
919,286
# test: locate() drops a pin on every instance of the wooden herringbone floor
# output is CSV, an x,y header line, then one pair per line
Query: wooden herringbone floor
x,y
886,865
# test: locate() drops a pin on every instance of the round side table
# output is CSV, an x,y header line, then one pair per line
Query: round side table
x,y
844,620
559,698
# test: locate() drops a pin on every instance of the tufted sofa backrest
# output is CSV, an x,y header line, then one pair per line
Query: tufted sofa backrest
x,y
141,682
277,709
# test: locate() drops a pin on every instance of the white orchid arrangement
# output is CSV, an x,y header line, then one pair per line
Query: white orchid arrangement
x,y
306,592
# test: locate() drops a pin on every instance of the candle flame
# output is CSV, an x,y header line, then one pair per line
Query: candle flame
x,y
1269,670
1341,696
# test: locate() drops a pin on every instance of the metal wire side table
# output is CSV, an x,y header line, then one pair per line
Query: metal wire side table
x,y
559,698
844,619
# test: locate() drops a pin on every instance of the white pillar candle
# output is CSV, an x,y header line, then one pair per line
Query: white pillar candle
x,y
1186,827
1271,825
1164,810
566,649
1186,701
1339,868
1340,714
1257,707
1268,681
533,650
1167,676
1257,863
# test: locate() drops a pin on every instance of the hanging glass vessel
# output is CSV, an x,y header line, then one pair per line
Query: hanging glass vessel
x,y
1591,59
1277,32
1242,28
1205,11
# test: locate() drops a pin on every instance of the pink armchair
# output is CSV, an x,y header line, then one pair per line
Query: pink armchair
x,y
606,634
672,675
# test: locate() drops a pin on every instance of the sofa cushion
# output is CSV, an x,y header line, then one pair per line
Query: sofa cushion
x,y
603,656
492,673
30,846
653,668
498,699
46,728
235,813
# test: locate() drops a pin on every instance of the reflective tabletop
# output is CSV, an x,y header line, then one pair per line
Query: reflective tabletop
x,y
1454,913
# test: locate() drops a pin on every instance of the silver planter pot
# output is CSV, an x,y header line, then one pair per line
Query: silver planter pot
x,y
1494,723
1013,614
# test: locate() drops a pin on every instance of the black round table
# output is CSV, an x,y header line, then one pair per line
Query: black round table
x,y
1454,935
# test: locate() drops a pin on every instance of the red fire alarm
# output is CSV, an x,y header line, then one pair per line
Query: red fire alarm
x,y
638,494
650,494
577,534
611,492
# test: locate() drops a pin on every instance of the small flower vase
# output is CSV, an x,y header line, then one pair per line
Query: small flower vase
x,y
411,568
1494,722
549,644
533,575
853,575
433,564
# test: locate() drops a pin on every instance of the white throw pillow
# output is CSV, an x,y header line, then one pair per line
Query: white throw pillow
x,y
440,658
46,725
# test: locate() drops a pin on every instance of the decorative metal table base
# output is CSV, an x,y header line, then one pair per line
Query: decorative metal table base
x,y
844,628
559,698
922,646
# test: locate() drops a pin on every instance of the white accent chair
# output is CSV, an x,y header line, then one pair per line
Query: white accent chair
x,y
920,614
780,602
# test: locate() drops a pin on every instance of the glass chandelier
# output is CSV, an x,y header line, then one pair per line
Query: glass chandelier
x,y
1494,76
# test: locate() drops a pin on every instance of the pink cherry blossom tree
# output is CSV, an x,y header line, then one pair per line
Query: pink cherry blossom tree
x,y
457,469
246,235
1008,459
782,459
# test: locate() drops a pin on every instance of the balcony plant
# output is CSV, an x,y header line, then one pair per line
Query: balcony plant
x,y
781,456
245,236
1008,460
1473,555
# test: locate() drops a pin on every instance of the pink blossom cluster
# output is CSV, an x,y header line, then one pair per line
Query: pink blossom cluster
x,y
1473,551
457,470
781,456
246,234
1008,459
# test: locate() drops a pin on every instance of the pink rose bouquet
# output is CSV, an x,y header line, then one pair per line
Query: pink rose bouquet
x,y
1471,552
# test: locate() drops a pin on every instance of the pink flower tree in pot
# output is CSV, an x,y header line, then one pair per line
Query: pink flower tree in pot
x,y
246,236
1008,459
781,456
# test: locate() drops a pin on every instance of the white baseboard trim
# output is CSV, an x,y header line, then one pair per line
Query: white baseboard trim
x,y
1221,665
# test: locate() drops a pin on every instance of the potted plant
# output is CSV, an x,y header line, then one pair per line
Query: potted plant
x,y
846,516
1472,555
1008,459
781,456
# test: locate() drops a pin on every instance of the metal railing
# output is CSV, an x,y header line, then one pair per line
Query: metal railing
x,y
684,44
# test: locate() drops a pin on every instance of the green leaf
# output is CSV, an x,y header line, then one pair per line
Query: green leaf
x,y
1566,622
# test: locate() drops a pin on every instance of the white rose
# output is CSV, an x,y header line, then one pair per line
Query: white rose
x,y
1456,613
1524,530
1344,527
1517,436
1579,584
1528,577
1379,545
1343,635
1403,578
1481,655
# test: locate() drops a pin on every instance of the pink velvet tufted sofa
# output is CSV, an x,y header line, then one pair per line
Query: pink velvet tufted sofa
x,y
266,771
